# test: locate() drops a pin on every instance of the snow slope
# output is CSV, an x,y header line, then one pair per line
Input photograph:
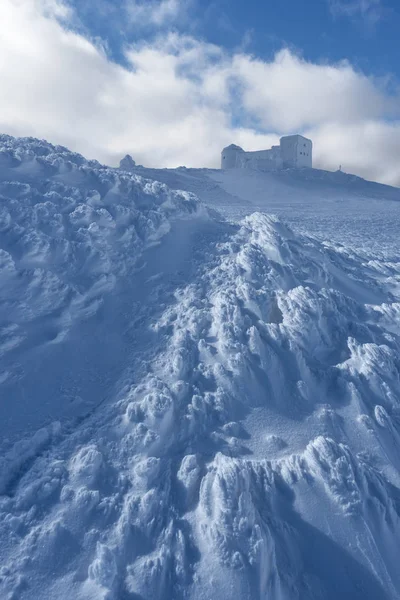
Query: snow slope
x,y
346,207
193,407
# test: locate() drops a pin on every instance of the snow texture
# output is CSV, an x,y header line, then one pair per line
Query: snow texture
x,y
195,404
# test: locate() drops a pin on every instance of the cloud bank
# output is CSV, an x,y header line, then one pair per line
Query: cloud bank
x,y
180,100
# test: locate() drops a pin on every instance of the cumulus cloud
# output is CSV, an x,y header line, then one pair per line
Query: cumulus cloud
x,y
180,100
290,93
170,107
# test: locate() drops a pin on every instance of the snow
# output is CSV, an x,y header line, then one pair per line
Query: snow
x,y
198,399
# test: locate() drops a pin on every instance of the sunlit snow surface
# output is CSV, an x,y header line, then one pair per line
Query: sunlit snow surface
x,y
193,407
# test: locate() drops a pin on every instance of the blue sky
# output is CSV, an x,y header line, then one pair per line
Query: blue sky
x,y
173,81
319,31
366,32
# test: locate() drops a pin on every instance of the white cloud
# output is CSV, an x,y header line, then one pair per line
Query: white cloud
x,y
51,8
290,93
167,110
370,10
369,148
155,12
177,101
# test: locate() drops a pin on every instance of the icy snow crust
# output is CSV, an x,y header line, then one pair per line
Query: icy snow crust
x,y
191,408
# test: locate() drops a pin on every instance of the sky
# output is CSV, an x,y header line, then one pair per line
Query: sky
x,y
172,82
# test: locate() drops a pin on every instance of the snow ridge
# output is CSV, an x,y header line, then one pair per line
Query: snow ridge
x,y
248,441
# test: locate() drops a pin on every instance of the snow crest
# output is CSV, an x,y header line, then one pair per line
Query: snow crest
x,y
248,443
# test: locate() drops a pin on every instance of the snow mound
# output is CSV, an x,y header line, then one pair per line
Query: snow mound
x,y
71,232
241,383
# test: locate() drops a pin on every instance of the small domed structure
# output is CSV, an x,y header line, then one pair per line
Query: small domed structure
x,y
232,157
127,163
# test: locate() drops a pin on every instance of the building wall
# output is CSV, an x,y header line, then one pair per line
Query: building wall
x,y
289,150
296,151
261,164
259,154
304,152
262,160
232,157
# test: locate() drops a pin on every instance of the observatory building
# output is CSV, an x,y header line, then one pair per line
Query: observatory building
x,y
294,151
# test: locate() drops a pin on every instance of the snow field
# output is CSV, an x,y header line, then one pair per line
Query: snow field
x,y
247,439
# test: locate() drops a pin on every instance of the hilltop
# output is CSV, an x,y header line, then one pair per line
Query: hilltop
x,y
310,200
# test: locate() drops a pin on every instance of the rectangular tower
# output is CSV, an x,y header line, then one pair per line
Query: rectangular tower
x,y
296,152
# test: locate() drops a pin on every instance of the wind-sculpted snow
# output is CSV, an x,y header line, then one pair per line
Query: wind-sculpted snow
x,y
71,232
233,414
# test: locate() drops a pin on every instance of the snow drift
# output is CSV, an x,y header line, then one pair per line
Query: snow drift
x,y
191,407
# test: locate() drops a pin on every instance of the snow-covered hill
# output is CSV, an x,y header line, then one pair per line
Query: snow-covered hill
x,y
194,407
345,208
